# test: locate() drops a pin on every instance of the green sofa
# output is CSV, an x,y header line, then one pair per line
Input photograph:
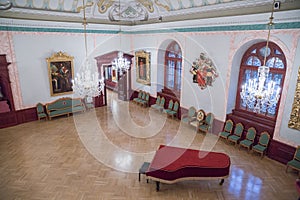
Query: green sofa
x,y
64,106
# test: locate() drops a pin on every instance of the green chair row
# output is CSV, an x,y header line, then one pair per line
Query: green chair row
x,y
248,142
142,99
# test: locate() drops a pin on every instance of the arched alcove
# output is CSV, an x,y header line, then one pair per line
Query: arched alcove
x,y
234,71
170,69
262,121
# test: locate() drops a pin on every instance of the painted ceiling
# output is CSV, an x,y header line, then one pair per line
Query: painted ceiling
x,y
133,12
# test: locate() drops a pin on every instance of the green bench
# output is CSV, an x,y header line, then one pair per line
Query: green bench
x,y
64,106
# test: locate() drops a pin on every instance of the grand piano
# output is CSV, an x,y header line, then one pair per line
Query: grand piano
x,y
173,164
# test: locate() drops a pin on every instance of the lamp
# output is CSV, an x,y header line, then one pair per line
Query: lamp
x,y
87,83
256,93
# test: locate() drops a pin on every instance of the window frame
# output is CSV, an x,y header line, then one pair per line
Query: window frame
x,y
177,68
244,67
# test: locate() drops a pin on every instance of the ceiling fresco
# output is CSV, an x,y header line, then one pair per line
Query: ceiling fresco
x,y
104,5
133,12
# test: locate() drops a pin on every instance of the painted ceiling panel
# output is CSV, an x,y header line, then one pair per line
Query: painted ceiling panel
x,y
71,5
53,5
186,4
21,3
40,4
133,12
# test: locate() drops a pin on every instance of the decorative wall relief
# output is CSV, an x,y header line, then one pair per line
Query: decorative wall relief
x,y
61,73
204,71
295,114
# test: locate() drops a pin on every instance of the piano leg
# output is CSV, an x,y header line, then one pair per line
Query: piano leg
x,y
157,186
222,181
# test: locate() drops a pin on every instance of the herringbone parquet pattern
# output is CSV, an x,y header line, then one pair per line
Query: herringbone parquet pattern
x,y
72,158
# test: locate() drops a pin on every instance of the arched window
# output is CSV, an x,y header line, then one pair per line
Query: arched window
x,y
254,58
173,68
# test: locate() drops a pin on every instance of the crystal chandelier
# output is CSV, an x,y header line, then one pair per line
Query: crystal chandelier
x,y
256,93
87,83
121,63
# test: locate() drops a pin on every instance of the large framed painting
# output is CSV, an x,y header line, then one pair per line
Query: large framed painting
x,y
61,73
143,67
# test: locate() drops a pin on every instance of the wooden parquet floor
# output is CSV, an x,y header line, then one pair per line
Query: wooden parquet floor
x,y
97,154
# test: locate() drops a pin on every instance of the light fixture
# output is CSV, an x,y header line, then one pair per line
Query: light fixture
x,y
87,83
256,93
121,63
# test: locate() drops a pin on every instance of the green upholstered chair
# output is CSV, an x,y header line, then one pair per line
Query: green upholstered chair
x,y
190,116
143,98
262,145
161,105
135,100
207,123
41,114
145,102
157,103
237,134
170,107
249,140
174,111
227,129
295,163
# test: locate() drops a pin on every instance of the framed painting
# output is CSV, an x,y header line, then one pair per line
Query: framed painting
x,y
142,63
61,73
114,74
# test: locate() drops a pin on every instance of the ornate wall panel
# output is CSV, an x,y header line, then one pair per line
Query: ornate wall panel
x,y
6,47
295,114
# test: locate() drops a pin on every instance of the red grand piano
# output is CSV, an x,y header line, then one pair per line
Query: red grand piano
x,y
173,164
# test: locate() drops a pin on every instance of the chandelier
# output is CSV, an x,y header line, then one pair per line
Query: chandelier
x,y
256,93
121,63
87,83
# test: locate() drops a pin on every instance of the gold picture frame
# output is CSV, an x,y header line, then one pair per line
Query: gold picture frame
x,y
61,73
142,62
295,114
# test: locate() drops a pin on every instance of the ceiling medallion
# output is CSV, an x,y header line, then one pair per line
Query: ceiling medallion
x,y
104,5
131,11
